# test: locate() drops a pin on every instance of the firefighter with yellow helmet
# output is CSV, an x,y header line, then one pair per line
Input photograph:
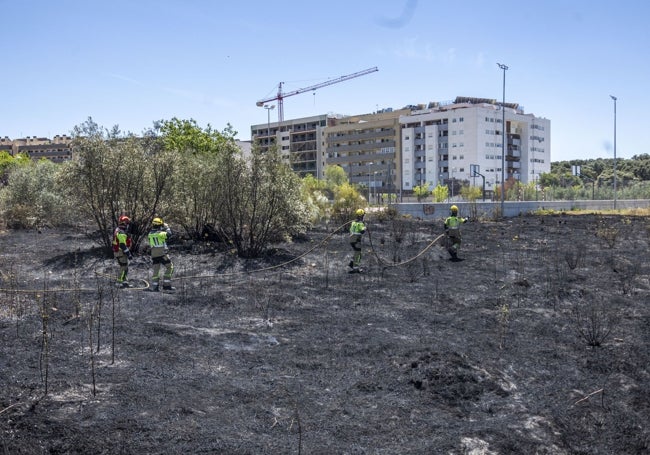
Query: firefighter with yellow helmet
x,y
452,230
158,237
357,229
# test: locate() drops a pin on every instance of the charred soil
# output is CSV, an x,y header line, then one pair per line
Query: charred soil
x,y
536,342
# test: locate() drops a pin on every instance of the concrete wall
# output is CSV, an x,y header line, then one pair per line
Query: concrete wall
x,y
491,209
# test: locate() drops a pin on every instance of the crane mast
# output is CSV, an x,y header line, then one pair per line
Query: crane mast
x,y
280,96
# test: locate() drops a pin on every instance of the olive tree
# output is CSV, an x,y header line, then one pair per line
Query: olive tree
x,y
114,175
196,199
261,201
33,198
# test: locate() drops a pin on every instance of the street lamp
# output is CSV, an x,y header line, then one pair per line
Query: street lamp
x,y
374,187
369,164
268,108
452,169
503,139
614,98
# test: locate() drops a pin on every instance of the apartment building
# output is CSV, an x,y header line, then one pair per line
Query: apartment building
x,y
300,142
57,149
446,141
367,147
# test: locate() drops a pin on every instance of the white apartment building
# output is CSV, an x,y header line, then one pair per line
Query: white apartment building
x,y
444,142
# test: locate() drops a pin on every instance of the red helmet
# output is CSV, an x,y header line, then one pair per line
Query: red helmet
x,y
124,220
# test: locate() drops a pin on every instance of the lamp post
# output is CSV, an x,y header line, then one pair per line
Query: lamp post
x,y
369,164
503,138
268,108
374,187
453,169
614,98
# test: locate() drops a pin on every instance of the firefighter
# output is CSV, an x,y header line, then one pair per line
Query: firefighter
x,y
122,250
452,230
158,236
357,229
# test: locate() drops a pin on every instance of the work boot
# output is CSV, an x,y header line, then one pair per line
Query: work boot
x,y
168,287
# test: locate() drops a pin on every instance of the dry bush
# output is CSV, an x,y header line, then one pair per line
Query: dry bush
x,y
593,319
503,321
574,255
626,271
608,234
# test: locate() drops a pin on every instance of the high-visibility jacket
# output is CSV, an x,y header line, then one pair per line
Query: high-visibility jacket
x,y
158,241
121,240
357,228
452,225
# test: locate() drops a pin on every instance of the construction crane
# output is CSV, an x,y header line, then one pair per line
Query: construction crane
x,y
281,95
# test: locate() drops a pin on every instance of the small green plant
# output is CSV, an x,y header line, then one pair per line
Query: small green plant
x,y
421,191
440,193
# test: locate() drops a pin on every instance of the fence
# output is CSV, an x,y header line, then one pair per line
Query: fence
x,y
426,210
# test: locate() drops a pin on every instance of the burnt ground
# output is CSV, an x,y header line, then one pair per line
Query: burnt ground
x,y
538,342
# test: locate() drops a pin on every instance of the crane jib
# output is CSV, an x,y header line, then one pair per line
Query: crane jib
x,y
279,97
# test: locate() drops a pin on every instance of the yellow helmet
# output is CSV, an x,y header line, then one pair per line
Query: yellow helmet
x,y
453,209
360,212
157,222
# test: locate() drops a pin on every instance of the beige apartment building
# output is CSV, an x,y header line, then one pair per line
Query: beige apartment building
x,y
58,149
367,147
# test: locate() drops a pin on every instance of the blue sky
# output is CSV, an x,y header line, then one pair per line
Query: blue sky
x,y
131,62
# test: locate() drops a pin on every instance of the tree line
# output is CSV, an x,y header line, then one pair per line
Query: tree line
x,y
198,179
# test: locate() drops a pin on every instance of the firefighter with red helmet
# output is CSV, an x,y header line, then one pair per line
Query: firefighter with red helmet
x,y
122,249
